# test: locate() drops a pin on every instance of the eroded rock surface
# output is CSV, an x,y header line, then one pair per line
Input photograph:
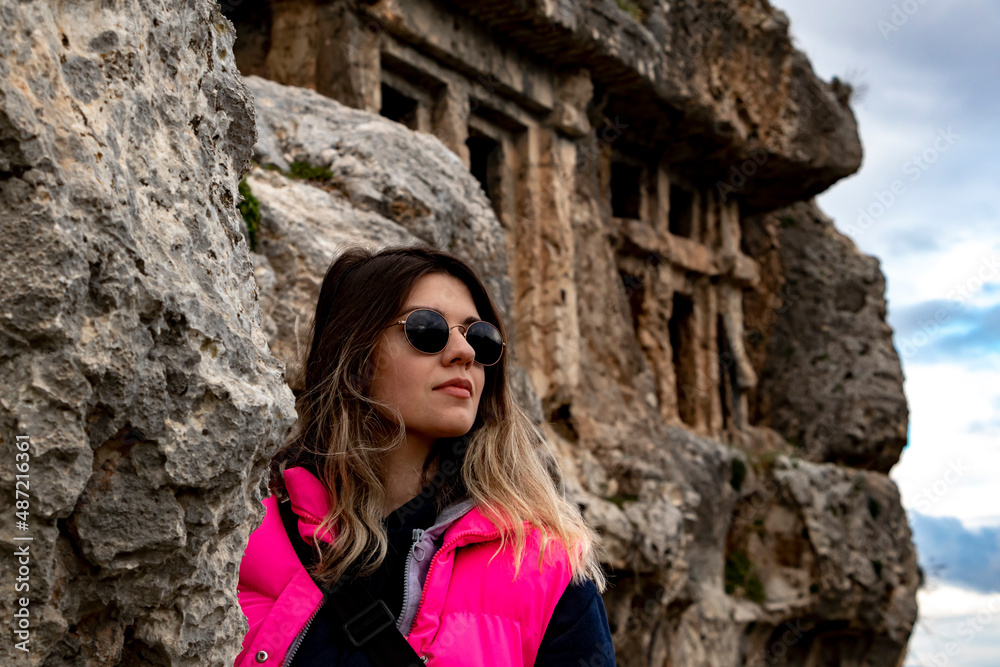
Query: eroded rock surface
x,y
614,172
831,380
715,81
721,554
131,352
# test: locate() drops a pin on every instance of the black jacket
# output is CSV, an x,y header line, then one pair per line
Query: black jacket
x,y
578,630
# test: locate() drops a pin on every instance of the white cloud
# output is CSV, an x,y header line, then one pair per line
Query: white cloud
x,y
955,628
939,600
944,401
917,84
958,274
937,71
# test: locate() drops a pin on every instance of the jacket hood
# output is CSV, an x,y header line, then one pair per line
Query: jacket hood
x,y
309,501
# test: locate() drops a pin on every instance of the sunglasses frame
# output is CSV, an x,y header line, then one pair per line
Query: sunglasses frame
x,y
464,329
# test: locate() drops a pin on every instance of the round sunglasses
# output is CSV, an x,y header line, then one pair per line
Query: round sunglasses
x,y
427,331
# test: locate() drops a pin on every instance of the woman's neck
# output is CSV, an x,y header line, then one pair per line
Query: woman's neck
x,y
404,474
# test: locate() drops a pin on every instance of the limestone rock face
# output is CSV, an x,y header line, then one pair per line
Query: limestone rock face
x,y
728,67
831,380
631,179
381,169
373,182
721,555
717,81
132,359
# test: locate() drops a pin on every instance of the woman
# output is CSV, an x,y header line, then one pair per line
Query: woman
x,y
412,480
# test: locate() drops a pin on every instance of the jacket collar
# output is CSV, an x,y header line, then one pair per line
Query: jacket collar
x,y
307,494
461,521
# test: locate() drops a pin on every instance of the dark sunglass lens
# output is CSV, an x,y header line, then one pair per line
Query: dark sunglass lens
x,y
427,330
485,340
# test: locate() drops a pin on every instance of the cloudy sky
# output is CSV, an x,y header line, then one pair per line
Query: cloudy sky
x,y
925,203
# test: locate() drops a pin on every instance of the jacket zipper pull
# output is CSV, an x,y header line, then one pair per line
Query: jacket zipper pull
x,y
416,548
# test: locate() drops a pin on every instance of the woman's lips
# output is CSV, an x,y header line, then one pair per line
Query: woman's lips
x,y
457,392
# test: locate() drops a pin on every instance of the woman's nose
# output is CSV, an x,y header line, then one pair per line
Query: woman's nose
x,y
458,347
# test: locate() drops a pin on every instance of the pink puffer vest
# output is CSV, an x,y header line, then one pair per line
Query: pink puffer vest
x,y
472,611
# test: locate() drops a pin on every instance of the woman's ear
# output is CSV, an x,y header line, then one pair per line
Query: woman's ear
x,y
368,375
364,379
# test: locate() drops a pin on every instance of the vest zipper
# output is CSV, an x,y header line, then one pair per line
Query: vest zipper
x,y
434,561
418,533
302,634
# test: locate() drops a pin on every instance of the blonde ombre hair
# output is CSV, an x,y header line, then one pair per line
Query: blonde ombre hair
x,y
342,433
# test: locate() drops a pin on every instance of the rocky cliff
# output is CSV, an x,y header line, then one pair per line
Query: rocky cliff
x,y
721,555
137,391
708,356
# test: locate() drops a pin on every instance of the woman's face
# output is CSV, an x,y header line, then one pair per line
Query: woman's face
x,y
406,378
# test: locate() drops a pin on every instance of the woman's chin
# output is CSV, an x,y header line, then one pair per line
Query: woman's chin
x,y
454,428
